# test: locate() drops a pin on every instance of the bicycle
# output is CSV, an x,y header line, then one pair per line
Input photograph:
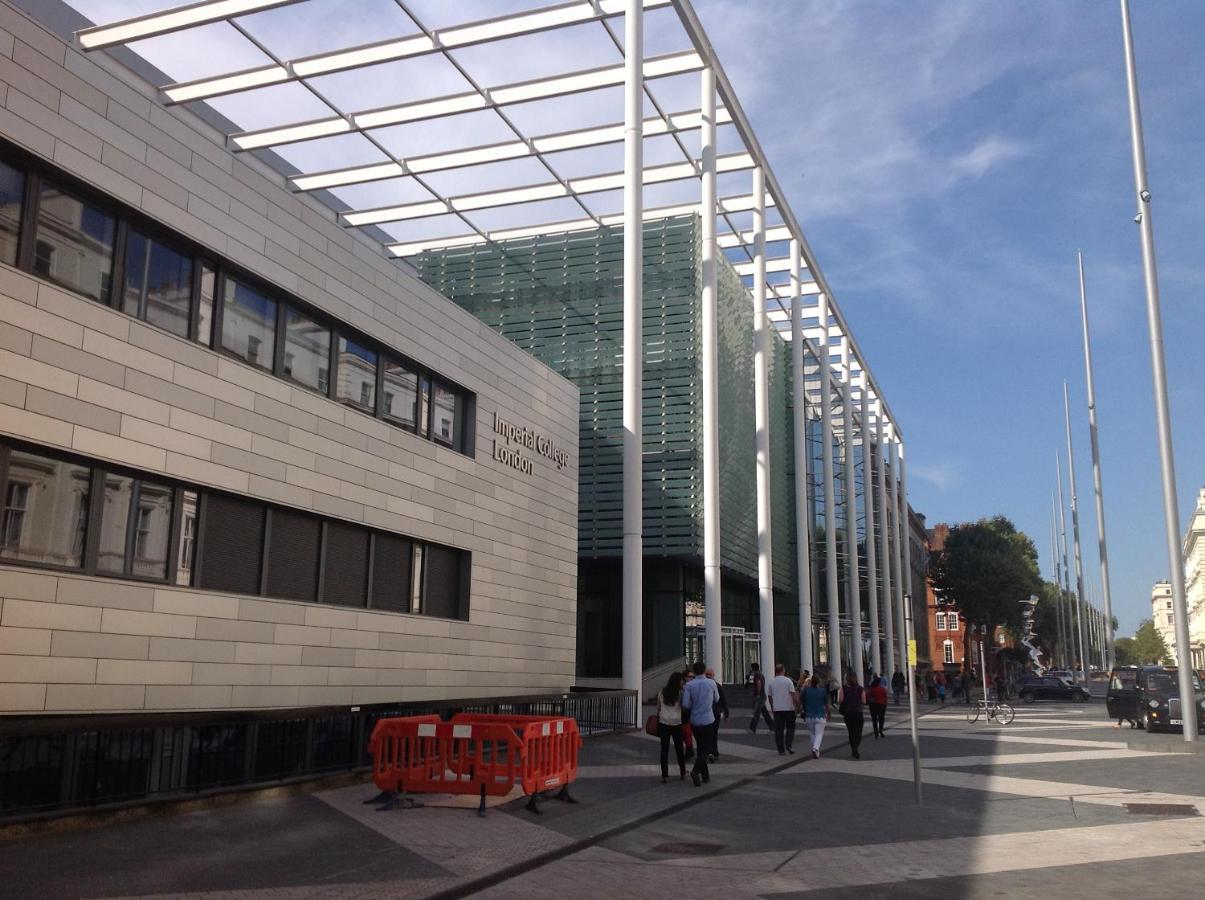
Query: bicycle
x,y
993,710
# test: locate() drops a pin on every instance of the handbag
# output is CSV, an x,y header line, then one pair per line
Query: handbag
x,y
650,724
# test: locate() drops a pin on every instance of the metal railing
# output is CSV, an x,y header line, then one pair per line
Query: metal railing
x,y
57,765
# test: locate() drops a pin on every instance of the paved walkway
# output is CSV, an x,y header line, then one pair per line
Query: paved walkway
x,y
1055,804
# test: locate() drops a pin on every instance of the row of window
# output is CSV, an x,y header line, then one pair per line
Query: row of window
x,y
68,513
947,621
57,233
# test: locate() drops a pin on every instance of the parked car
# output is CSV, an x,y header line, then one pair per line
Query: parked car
x,y
1066,674
1122,699
1046,687
1158,698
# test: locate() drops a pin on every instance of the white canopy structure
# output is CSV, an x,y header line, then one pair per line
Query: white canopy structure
x,y
444,134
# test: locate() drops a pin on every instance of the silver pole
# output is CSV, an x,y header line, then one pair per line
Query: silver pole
x,y
884,551
853,587
1171,512
1080,599
761,415
1054,555
633,349
712,581
830,500
897,503
1075,651
907,524
1096,477
906,612
872,575
803,536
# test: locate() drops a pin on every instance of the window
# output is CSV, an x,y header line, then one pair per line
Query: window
x,y
42,499
1171,619
248,324
345,565
135,527
293,541
1169,604
941,621
392,563
12,193
232,540
307,351
445,412
188,539
424,406
74,243
401,395
952,621
158,286
357,375
441,583
947,649
209,280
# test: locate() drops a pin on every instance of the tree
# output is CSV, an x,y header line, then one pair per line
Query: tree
x,y
986,569
1123,649
1149,646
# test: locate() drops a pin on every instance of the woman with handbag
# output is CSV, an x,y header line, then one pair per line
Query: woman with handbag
x,y
669,725
852,701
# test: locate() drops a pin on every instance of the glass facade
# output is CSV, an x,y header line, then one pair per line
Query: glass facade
x,y
158,284
12,195
73,243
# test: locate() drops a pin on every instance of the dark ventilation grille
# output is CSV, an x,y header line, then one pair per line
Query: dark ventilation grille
x,y
231,544
345,577
293,555
443,583
392,559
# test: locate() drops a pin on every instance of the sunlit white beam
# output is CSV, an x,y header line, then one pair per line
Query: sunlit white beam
x,y
532,193
556,86
454,159
732,239
179,17
782,264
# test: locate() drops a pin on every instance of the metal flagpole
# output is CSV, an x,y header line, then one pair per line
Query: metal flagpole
x,y
830,500
884,547
1096,477
901,537
853,586
803,531
761,417
633,350
868,498
1171,512
1080,600
1054,555
1072,633
712,581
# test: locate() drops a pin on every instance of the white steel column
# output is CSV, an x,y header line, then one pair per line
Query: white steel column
x,y
761,415
1080,600
853,586
803,534
633,351
1069,605
872,575
909,587
901,620
830,500
711,423
1096,477
884,545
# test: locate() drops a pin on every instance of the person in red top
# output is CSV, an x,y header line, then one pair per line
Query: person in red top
x,y
876,699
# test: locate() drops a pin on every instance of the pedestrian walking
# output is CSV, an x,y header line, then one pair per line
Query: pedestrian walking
x,y
757,684
688,734
876,702
669,725
939,682
721,713
898,685
699,698
955,687
814,700
784,703
852,702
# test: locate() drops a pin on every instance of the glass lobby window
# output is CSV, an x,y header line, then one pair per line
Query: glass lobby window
x,y
45,510
158,284
74,243
249,324
443,414
357,375
401,394
12,192
307,351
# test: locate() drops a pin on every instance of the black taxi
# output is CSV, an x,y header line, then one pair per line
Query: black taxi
x,y
1157,695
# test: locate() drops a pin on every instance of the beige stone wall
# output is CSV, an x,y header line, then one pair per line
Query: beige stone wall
x,y
81,377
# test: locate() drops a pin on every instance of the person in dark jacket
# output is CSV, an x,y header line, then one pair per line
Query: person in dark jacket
x,y
851,705
757,683
898,685
721,711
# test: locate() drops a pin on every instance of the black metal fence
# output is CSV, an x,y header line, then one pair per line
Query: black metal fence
x,y
59,765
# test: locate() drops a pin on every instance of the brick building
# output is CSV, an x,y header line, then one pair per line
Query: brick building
x,y
947,630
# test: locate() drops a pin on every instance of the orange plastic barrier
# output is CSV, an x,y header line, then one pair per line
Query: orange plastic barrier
x,y
474,754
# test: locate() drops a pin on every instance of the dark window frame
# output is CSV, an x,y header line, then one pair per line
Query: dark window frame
x,y
37,170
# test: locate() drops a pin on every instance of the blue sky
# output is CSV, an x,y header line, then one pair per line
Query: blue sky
x,y
946,159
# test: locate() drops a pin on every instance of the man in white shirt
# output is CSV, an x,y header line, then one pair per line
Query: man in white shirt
x,y
783,701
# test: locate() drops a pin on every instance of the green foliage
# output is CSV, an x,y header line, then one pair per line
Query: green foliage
x,y
1124,650
986,569
1149,646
